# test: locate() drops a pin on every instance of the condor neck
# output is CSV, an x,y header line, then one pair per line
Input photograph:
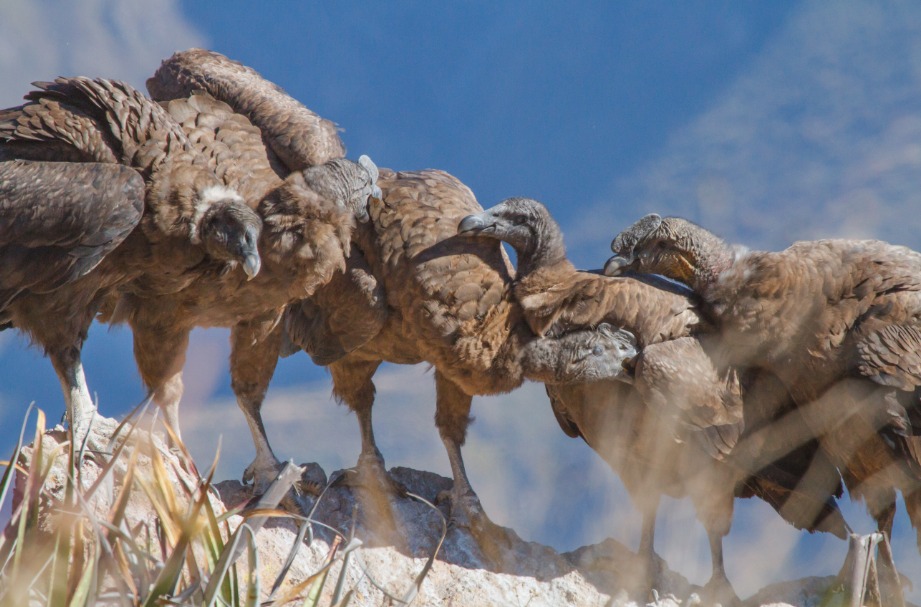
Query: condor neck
x,y
713,260
545,250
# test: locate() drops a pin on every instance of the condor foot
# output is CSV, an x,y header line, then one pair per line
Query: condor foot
x,y
496,543
719,590
374,488
371,474
647,579
300,499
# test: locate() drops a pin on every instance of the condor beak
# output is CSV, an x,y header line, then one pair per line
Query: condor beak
x,y
251,265
616,265
361,210
474,224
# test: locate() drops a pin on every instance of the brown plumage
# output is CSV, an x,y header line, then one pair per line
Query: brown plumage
x,y
450,304
297,135
348,309
307,221
678,392
555,297
613,419
413,296
836,320
96,120
188,215
59,223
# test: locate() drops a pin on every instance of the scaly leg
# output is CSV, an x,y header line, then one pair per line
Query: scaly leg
x,y
353,385
79,403
890,584
714,509
452,416
254,348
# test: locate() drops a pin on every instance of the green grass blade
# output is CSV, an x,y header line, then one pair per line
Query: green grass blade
x,y
30,495
7,481
253,587
223,565
81,593
169,577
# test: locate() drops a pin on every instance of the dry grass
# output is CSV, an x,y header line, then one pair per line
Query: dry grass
x,y
60,550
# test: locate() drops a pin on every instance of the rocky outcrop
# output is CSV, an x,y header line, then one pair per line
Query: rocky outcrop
x,y
379,557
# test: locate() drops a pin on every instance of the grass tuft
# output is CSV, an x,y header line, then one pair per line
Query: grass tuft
x,y
71,540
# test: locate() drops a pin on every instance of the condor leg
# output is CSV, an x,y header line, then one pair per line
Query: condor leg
x,y
354,387
80,406
649,576
452,417
715,509
254,349
159,350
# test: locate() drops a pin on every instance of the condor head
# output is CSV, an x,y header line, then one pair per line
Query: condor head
x,y
229,230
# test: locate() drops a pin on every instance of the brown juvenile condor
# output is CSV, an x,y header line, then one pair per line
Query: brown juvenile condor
x,y
348,310
838,321
291,138
189,216
307,223
677,392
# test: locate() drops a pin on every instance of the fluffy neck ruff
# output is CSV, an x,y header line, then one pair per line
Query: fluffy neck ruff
x,y
207,198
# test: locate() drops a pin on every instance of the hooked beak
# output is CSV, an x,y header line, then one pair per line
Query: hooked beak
x,y
474,224
251,265
616,265
361,211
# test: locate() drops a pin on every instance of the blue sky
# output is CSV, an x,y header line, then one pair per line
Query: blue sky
x,y
766,121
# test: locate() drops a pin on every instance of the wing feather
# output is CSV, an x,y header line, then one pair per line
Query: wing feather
x,y
297,135
59,220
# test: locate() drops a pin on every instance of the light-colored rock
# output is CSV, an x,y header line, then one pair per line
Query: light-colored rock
x,y
387,561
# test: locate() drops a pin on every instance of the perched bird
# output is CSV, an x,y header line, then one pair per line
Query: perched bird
x,y
675,429
348,310
837,321
307,222
59,224
188,215
214,98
